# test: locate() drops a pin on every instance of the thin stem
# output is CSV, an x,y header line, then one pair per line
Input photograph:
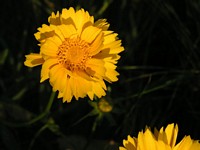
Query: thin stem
x,y
50,102
46,111
39,117
104,7
37,135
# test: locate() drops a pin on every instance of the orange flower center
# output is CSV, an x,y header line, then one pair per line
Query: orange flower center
x,y
73,53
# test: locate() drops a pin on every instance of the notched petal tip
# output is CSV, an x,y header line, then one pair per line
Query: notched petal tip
x,y
54,18
33,60
102,24
44,33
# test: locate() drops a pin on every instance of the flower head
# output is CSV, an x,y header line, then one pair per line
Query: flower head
x,y
104,106
77,54
160,140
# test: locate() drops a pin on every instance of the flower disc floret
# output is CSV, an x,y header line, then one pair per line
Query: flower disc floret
x,y
73,54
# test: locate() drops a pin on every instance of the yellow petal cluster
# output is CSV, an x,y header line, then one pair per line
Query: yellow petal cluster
x,y
77,54
160,140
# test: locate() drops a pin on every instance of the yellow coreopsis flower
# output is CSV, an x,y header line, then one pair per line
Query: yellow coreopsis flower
x,y
77,54
160,140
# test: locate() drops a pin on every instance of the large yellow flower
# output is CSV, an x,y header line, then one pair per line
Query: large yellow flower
x,y
77,54
160,140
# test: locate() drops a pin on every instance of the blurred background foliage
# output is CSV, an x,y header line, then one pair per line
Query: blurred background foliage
x,y
159,80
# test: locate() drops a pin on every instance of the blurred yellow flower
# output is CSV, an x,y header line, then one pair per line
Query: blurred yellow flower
x,y
160,140
77,54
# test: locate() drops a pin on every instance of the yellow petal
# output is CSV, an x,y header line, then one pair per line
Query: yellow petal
x,y
96,45
98,90
90,95
60,95
49,48
54,76
44,33
83,83
185,144
85,76
46,68
171,134
60,79
68,31
57,40
82,19
116,50
102,24
114,44
103,85
122,148
33,60
76,88
114,47
146,141
110,38
107,57
95,67
111,74
67,94
132,141
58,37
129,144
162,135
82,87
67,16
195,145
168,135
54,18
160,145
90,33
107,32
66,75
58,76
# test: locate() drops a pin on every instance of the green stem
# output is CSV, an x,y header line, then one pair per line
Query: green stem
x,y
46,111
50,102
37,135
104,7
39,117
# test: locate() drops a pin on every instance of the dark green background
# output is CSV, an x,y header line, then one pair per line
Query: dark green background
x,y
159,80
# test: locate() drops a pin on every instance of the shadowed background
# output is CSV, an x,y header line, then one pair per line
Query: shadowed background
x,y
159,80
